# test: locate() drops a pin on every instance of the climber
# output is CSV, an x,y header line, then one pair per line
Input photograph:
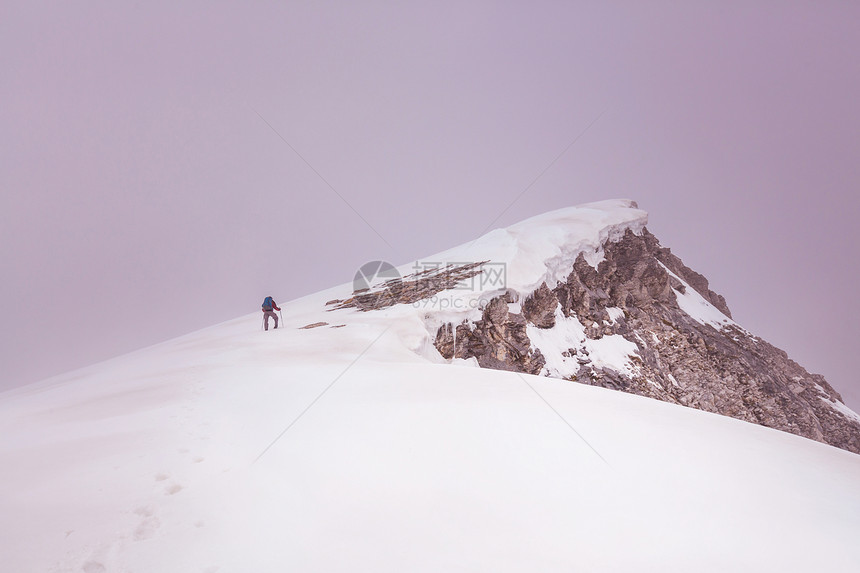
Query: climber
x,y
269,306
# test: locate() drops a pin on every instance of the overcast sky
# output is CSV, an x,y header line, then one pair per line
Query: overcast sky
x,y
144,194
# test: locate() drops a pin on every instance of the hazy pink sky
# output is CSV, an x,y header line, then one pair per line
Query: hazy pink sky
x,y
143,197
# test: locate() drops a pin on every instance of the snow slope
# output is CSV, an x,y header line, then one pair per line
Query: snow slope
x,y
355,449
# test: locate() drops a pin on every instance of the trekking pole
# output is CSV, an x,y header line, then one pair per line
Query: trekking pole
x,y
282,318
262,324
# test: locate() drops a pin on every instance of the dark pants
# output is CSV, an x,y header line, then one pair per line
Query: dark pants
x,y
266,315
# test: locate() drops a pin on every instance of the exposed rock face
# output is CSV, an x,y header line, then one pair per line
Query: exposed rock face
x,y
539,307
694,279
498,340
633,293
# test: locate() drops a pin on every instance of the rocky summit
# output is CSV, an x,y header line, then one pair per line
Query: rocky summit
x,y
623,312
634,294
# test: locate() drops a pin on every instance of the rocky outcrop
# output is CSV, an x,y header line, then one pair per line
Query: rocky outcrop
x,y
498,340
691,277
627,278
633,293
539,307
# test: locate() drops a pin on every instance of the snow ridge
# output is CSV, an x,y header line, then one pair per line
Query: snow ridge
x,y
389,461
543,248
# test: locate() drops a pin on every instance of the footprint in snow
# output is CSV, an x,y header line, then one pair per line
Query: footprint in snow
x,y
146,529
93,567
173,489
148,525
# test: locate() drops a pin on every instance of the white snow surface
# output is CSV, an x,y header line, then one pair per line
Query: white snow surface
x,y
614,313
843,409
544,248
379,456
698,307
611,351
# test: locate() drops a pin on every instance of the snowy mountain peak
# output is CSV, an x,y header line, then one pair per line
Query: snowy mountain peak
x,y
362,435
588,294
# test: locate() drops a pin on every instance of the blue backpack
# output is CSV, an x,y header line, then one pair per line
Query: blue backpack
x,y
268,303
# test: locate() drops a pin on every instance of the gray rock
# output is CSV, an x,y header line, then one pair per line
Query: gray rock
x,y
498,340
539,307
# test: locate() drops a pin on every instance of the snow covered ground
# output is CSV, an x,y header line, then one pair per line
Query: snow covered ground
x,y
356,449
